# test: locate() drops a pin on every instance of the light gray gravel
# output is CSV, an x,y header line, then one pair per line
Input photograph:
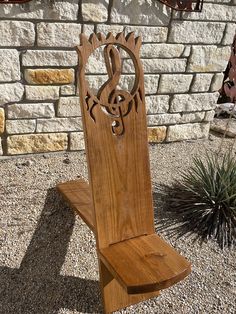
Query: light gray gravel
x,y
47,256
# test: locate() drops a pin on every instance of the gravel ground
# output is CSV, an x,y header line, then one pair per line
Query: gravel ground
x,y
47,256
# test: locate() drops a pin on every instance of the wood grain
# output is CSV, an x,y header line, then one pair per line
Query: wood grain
x,y
134,262
118,165
78,195
115,297
145,264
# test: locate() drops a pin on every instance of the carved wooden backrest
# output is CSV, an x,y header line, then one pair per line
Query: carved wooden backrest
x,y
116,143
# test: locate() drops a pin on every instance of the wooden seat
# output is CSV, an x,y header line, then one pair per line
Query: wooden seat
x,y
134,262
161,265
78,195
144,264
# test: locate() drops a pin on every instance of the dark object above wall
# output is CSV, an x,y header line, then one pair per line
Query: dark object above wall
x,y
180,5
13,1
184,5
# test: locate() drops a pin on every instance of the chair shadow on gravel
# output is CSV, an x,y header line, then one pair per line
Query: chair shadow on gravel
x,y
37,287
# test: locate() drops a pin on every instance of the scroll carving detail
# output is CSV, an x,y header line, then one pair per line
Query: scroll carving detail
x,y
114,102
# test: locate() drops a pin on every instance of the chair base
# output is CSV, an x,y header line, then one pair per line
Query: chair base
x,y
114,295
133,270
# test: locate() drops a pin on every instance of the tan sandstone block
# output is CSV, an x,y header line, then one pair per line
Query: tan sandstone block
x,y
156,134
50,76
36,143
2,120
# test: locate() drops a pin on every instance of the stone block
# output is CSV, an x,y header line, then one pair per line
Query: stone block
x,y
9,65
96,63
49,76
88,29
229,34
217,82
174,83
77,141
20,126
224,126
150,34
187,131
42,92
157,104
16,33
28,111
95,11
151,83
11,92
59,125
2,121
69,107
157,65
196,32
213,12
156,134
96,81
146,12
49,58
161,50
193,102
209,115
208,59
106,28
187,51
67,90
36,143
163,119
201,82
58,34
126,82
50,10
192,117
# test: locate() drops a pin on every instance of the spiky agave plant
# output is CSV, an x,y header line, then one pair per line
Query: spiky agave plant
x,y
206,199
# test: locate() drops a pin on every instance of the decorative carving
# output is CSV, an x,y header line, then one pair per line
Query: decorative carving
x,y
114,102
184,5
229,85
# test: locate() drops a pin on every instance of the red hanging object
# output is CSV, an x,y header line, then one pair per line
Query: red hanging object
x,y
184,5
228,89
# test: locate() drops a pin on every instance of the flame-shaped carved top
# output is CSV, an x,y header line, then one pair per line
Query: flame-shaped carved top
x,y
114,102
115,129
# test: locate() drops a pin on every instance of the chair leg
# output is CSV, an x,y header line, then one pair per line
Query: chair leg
x,y
114,295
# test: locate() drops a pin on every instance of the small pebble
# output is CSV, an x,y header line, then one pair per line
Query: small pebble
x,y
67,161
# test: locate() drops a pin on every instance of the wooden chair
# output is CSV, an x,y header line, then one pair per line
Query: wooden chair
x,y
134,262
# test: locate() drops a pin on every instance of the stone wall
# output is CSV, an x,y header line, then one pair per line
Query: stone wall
x,y
183,55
